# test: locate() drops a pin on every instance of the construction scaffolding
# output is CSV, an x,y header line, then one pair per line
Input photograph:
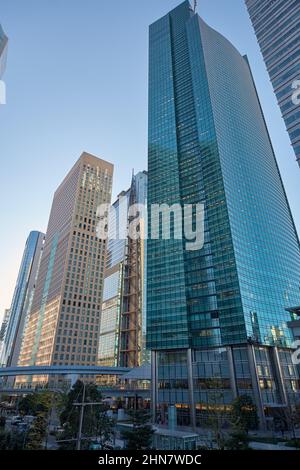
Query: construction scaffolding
x,y
130,344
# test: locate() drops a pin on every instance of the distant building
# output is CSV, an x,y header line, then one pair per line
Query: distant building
x,y
123,316
3,330
22,298
294,324
64,320
3,51
277,28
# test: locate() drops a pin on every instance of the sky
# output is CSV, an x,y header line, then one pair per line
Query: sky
x,y
76,81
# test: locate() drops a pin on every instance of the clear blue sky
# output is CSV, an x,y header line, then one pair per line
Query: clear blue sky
x,y
77,80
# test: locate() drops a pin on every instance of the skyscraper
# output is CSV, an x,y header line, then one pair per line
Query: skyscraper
x,y
277,28
216,317
123,316
3,330
22,298
63,326
3,51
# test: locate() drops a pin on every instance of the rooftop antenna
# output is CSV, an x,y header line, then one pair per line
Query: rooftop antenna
x,y
195,6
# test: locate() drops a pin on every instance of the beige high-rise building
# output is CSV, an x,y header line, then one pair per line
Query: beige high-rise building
x,y
63,325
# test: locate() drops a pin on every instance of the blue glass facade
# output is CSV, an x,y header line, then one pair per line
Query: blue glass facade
x,y
277,28
115,345
116,234
22,298
208,143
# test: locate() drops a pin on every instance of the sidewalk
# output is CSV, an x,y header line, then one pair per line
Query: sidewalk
x,y
264,446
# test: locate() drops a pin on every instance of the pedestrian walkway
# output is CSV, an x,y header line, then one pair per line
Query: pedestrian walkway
x,y
265,446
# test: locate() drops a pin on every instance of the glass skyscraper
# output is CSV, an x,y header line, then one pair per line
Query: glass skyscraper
x,y
123,315
22,298
108,353
277,28
216,317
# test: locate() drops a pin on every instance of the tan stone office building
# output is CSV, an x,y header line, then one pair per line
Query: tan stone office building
x,y
63,326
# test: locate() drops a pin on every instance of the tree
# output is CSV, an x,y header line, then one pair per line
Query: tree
x,y
292,418
37,433
97,425
216,415
139,437
244,413
237,439
243,418
11,441
36,403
